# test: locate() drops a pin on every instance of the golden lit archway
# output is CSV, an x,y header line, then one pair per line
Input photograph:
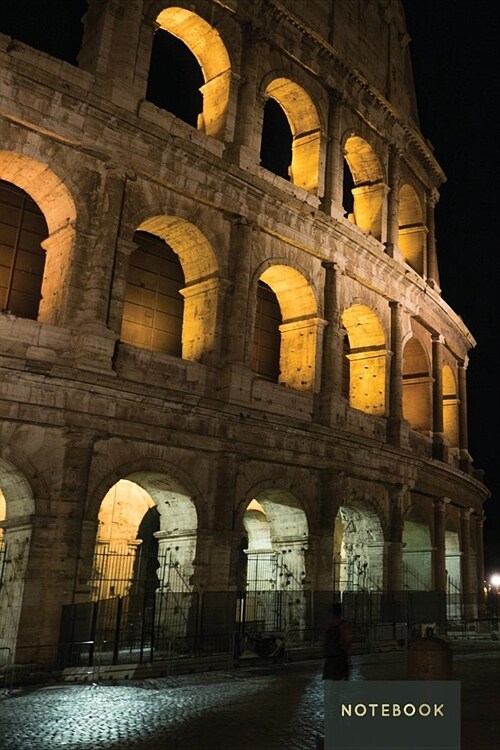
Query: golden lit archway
x,y
369,190
58,208
304,122
417,386
146,548
200,292
412,232
299,329
450,407
276,531
206,44
367,357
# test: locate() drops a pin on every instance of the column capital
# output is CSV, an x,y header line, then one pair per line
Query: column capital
x,y
440,503
438,338
432,197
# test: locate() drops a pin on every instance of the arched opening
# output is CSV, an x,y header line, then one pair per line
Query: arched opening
x,y
49,212
22,258
286,305
276,146
144,561
367,359
412,232
358,548
171,298
175,78
417,387
368,191
304,124
417,556
154,307
16,506
267,337
276,532
450,407
347,193
204,43
453,574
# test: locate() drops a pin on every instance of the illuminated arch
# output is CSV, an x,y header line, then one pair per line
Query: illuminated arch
x,y
277,534
358,547
450,407
417,553
58,207
16,508
299,327
206,44
304,122
369,190
200,292
417,386
146,544
412,232
367,357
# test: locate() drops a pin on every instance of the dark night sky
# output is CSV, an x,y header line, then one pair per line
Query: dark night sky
x,y
455,57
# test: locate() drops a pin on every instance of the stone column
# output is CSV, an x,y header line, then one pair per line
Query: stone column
x,y
463,438
465,549
237,336
244,149
110,48
432,197
394,560
478,523
438,447
391,245
333,348
440,544
396,375
331,202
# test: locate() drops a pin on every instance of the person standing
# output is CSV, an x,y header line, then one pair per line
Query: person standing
x,y
337,643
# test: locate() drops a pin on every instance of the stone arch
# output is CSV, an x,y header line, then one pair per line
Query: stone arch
x,y
367,357
358,546
299,327
277,534
200,291
412,231
417,552
417,386
56,203
450,407
453,571
16,507
206,44
304,121
369,189
146,547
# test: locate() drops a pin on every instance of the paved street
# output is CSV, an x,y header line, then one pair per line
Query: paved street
x,y
280,708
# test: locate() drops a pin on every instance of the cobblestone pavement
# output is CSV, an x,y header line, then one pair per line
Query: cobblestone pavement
x,y
280,708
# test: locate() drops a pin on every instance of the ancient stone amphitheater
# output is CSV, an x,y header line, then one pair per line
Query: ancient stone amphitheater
x,y
231,390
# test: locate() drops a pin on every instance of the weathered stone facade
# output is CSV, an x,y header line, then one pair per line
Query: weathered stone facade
x,y
354,458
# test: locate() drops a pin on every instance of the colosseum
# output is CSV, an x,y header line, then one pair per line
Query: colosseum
x,y
232,391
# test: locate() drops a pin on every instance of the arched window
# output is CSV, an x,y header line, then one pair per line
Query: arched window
x,y
175,78
267,337
292,101
368,190
22,258
367,357
154,306
417,386
412,233
276,147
